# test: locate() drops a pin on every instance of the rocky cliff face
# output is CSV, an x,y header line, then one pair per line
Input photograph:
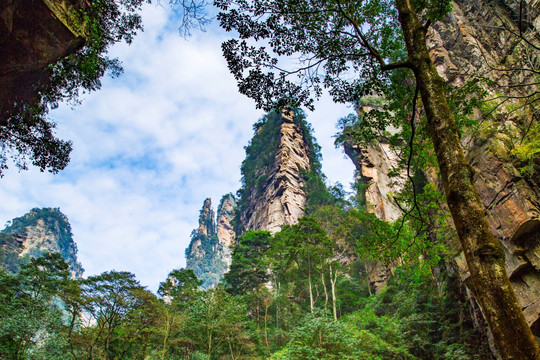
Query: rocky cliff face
x,y
478,41
277,159
38,232
34,34
224,228
373,165
209,252
276,197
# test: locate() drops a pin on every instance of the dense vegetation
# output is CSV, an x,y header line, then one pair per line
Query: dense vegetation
x,y
422,314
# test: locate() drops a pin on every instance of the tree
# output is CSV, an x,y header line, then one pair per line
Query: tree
x,y
377,40
30,309
181,286
306,250
119,313
249,268
218,325
25,130
178,291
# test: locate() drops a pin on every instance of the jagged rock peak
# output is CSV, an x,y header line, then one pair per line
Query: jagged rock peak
x,y
209,252
207,219
38,232
224,227
273,192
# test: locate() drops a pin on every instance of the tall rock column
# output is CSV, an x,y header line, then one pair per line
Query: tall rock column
x,y
373,165
209,252
280,199
224,228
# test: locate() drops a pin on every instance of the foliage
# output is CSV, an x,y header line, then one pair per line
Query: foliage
x,y
528,153
319,336
26,132
249,268
31,319
181,286
433,317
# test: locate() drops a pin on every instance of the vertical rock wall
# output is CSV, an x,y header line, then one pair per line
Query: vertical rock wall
x,y
373,165
478,40
34,34
282,199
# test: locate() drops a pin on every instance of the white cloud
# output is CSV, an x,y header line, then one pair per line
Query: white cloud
x,y
149,147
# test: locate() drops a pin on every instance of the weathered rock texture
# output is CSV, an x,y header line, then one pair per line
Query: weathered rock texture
x,y
272,195
34,34
209,252
280,199
38,232
472,43
373,165
224,228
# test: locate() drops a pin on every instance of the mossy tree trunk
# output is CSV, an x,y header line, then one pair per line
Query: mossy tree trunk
x,y
484,254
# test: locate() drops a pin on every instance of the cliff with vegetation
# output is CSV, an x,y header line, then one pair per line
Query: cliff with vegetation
x,y
272,194
281,180
281,174
29,43
492,45
209,251
39,232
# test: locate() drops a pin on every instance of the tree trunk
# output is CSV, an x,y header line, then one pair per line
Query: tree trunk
x,y
333,281
325,290
309,285
485,257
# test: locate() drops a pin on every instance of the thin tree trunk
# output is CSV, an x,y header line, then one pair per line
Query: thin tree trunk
x,y
266,325
325,290
333,280
309,284
165,338
484,254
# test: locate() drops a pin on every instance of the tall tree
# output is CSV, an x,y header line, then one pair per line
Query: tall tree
x,y
249,268
377,39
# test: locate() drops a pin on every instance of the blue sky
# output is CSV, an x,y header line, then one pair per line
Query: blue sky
x,y
149,147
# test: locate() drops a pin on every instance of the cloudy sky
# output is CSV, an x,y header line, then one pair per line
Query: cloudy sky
x,y
149,147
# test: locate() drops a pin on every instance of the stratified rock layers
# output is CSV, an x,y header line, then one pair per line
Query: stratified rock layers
x,y
282,199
